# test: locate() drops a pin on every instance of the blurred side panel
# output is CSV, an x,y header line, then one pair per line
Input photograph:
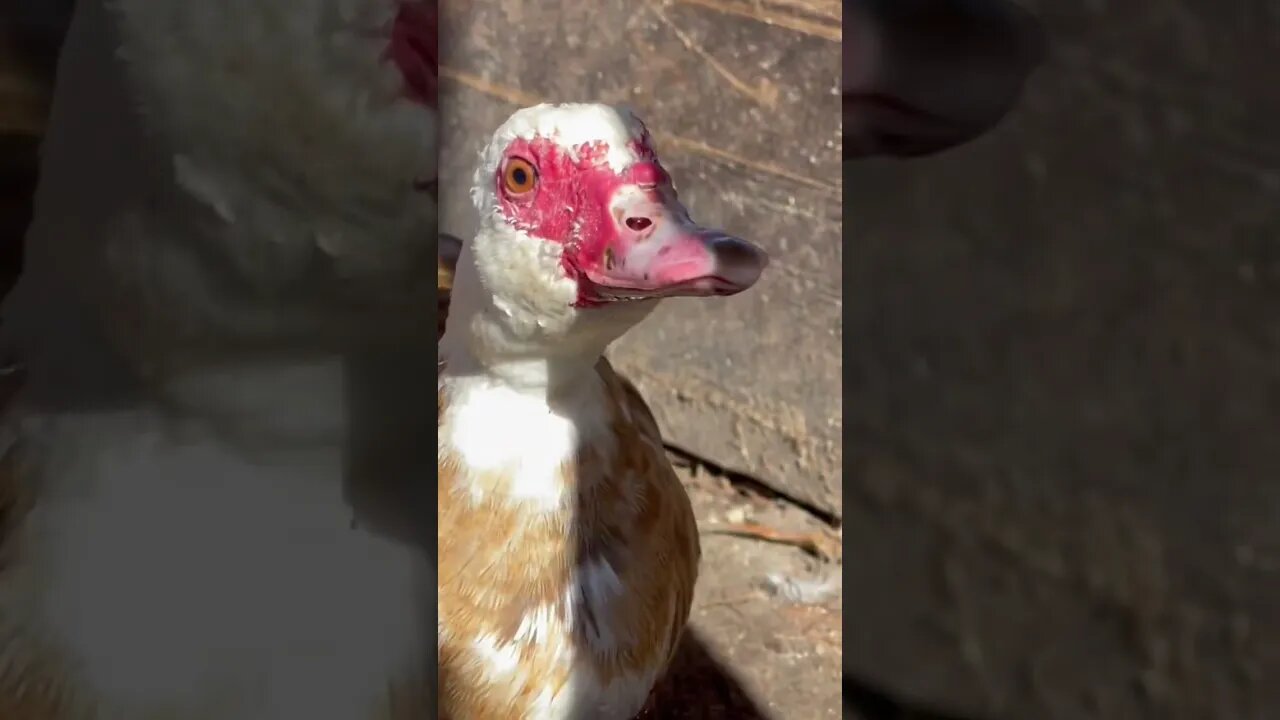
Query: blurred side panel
x,y
1064,378
31,32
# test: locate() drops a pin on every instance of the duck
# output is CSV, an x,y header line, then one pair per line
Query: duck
x,y
567,548
210,478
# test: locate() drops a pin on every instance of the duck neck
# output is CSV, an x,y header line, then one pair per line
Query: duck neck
x,y
521,403
550,357
468,353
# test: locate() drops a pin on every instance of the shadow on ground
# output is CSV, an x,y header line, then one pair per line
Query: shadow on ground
x,y
700,687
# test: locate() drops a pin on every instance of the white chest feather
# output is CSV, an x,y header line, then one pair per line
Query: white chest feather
x,y
503,432
178,574
543,664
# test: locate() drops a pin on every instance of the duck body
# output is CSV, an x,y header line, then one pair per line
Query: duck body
x,y
567,547
228,245
587,552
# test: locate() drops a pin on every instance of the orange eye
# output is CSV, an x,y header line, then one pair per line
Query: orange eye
x,y
519,177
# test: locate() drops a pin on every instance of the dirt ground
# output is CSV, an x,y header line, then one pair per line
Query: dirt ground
x,y
770,612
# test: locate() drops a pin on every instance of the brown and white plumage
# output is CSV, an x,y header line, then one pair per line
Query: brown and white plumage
x,y
655,516
568,549
631,514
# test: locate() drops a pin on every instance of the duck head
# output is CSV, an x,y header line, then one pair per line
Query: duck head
x,y
581,233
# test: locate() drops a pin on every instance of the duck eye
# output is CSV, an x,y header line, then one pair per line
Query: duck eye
x,y
519,176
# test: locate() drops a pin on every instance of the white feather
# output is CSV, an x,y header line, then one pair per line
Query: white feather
x,y
225,216
524,399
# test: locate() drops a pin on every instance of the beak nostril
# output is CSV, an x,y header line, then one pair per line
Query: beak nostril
x,y
638,223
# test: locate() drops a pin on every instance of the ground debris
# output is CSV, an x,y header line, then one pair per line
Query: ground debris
x,y
804,591
822,544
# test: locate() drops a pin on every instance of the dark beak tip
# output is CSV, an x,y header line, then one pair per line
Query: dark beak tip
x,y
737,250
741,262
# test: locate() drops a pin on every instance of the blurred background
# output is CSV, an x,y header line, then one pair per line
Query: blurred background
x,y
30,35
1063,384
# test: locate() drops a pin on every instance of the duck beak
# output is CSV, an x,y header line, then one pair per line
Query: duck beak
x,y
658,251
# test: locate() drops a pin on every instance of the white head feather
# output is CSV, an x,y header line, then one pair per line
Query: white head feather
x,y
511,297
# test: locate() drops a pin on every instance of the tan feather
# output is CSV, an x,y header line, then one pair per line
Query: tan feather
x,y
635,496
633,499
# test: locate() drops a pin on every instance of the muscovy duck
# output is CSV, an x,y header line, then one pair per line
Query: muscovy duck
x,y
567,546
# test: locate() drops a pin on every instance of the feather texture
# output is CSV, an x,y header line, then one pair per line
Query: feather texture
x,y
519,592
228,217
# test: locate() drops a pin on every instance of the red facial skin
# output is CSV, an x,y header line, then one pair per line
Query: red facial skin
x,y
415,50
570,201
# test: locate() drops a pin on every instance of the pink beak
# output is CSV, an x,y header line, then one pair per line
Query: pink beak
x,y
658,251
